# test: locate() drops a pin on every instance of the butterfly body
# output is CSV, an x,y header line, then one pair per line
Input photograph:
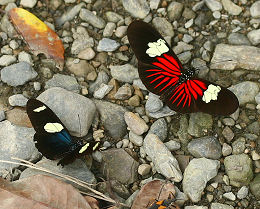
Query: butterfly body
x,y
52,138
163,74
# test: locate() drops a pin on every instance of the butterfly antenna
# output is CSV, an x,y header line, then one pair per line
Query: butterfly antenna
x,y
79,125
160,192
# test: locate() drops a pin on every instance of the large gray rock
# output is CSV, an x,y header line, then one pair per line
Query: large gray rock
x,y
196,175
75,111
137,8
18,74
246,57
239,169
208,147
245,91
165,163
63,81
119,165
15,141
124,73
112,117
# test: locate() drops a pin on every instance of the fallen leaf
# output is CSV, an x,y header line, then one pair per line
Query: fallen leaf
x,y
151,191
40,192
39,37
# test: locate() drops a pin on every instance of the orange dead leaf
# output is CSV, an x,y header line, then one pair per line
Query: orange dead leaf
x,y
41,192
39,37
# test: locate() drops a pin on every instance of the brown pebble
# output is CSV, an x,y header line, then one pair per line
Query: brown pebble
x,y
123,48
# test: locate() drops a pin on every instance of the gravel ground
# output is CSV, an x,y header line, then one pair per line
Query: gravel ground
x,y
214,161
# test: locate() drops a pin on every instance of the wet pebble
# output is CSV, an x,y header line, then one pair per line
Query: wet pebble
x,y
18,74
17,100
107,45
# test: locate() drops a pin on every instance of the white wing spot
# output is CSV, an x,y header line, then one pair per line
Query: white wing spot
x,y
39,109
84,148
53,127
157,48
96,145
211,93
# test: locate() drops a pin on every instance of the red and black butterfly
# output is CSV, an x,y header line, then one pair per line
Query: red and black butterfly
x,y
163,74
165,204
52,137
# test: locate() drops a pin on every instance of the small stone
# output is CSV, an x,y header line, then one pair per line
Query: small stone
x,y
125,143
134,101
216,14
137,8
135,139
119,144
220,206
124,92
2,115
159,128
153,103
255,10
163,26
172,145
107,45
17,100
135,123
228,122
228,134
239,146
238,39
6,60
121,31
255,155
229,196
87,54
109,29
242,192
37,86
28,3
231,8
144,169
13,44
102,91
189,23
25,57
254,36
174,10
92,19
154,4
213,5
113,17
226,149
124,73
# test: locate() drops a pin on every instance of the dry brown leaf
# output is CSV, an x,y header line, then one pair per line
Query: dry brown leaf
x,y
155,189
39,37
40,192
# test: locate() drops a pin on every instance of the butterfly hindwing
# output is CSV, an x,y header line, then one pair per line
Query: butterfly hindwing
x,y
162,73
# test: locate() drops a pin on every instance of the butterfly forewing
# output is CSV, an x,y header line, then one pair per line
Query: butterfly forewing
x,y
162,73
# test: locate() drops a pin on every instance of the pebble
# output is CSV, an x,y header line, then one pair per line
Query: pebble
x,y
196,175
254,36
175,10
189,23
6,60
220,206
124,73
255,185
87,54
242,57
70,14
134,101
238,146
154,4
216,14
137,8
70,108
111,116
18,74
208,147
163,112
213,5
153,104
135,123
120,31
144,169
255,10
187,39
25,57
81,40
229,196
198,123
164,162
113,17
17,100
2,115
92,19
245,91
255,155
239,169
37,86
242,192
28,3
226,149
125,143
102,91
107,45
135,139
102,78
172,145
63,81
231,8
159,128
124,92
163,26
228,134
80,69
109,29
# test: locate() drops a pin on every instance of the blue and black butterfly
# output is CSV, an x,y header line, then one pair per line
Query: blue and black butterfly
x,y
52,137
